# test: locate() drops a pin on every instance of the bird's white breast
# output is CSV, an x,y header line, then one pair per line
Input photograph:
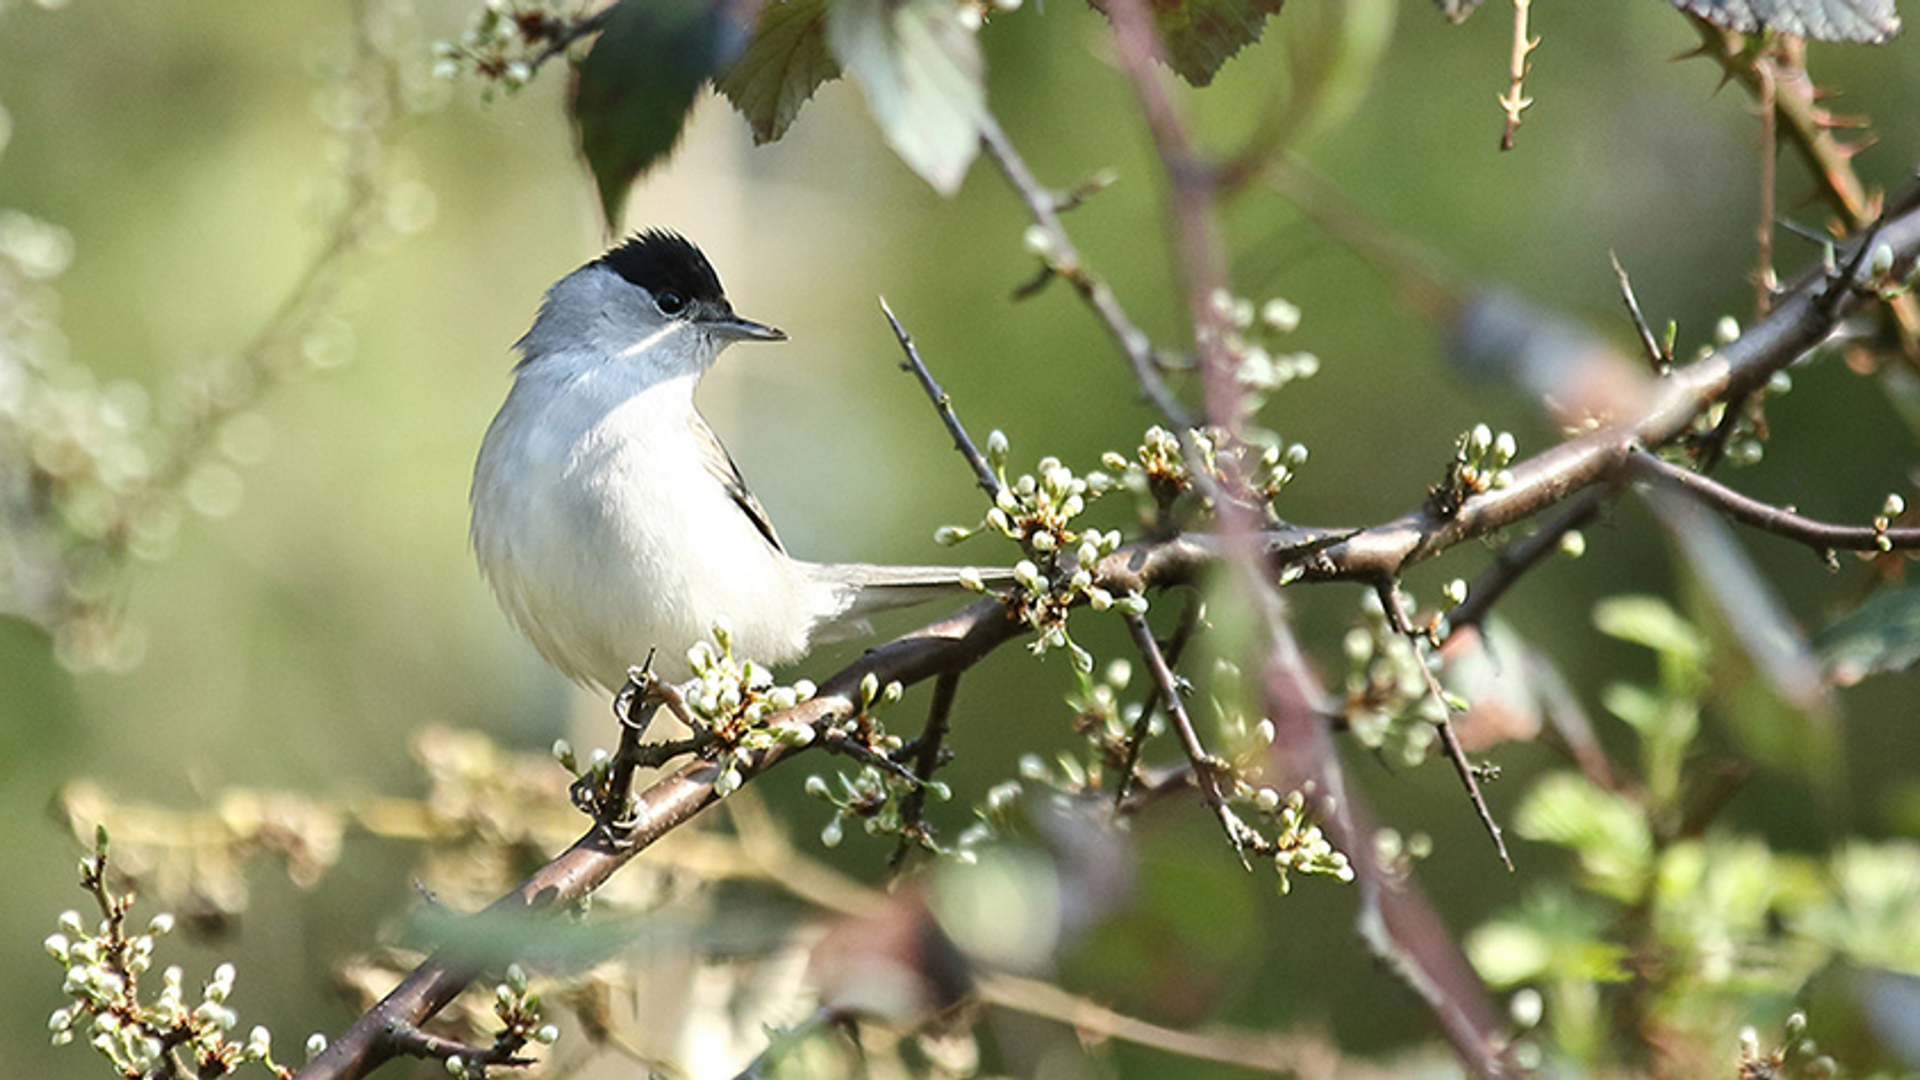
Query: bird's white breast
x,y
604,535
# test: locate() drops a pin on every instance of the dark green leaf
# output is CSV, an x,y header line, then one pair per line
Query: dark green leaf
x,y
785,61
637,85
920,69
1870,21
1201,35
1880,635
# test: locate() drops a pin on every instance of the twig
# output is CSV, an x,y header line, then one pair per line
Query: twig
x,y
1043,207
1267,1053
1515,101
1780,521
1206,767
943,404
1809,129
1389,593
1137,738
1513,561
1657,354
929,754
410,1041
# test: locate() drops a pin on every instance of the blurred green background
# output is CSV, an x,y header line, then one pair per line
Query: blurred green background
x,y
299,640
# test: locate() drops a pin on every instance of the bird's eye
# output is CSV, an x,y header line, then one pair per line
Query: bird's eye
x,y
670,302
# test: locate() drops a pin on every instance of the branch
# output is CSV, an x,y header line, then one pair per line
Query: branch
x,y
1064,260
943,404
1389,594
1207,769
1515,100
1804,318
951,644
1395,918
1766,517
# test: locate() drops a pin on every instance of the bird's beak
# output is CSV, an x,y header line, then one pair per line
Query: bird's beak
x,y
731,327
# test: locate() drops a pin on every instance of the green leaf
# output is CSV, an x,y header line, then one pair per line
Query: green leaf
x,y
1606,831
1199,36
1552,935
638,84
785,61
1879,636
920,69
1649,621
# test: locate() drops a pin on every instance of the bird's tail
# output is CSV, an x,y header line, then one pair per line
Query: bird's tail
x,y
864,589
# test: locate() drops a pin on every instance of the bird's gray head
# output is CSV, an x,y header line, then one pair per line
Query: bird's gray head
x,y
653,301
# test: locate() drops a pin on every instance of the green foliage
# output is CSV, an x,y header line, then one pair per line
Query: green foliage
x,y
638,83
1201,35
1881,635
785,61
1693,934
919,66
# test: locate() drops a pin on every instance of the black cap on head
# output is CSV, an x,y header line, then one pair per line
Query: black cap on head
x,y
659,260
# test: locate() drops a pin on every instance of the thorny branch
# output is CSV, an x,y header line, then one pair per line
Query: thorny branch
x,y
1394,913
943,404
1389,594
1780,521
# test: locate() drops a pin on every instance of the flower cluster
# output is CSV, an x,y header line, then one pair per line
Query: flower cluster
x,y
518,1009
1251,331
882,794
1037,510
1160,473
104,964
1388,703
1479,465
727,702
506,42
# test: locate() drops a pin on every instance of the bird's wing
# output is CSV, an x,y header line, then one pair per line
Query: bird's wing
x,y
720,466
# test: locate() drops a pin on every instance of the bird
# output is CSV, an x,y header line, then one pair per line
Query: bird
x,y
608,519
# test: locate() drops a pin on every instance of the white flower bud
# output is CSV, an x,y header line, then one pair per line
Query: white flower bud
x,y
1280,316
1893,507
1027,575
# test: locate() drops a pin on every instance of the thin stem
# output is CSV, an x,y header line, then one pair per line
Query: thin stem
x,y
1206,767
943,404
928,756
1780,521
1515,100
1389,593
